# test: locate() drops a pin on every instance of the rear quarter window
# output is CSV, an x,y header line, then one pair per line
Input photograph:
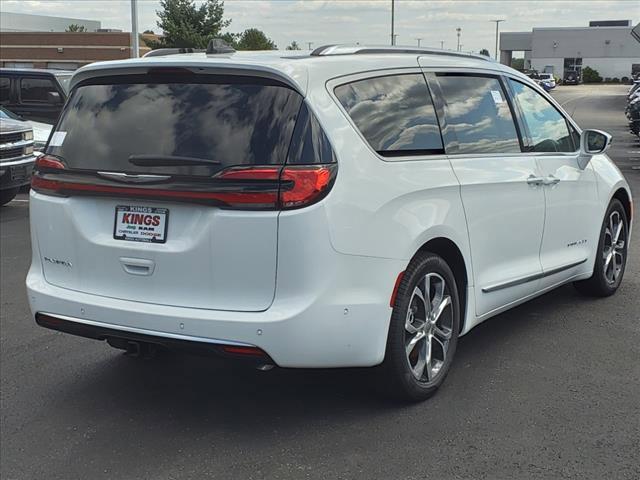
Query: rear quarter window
x,y
394,113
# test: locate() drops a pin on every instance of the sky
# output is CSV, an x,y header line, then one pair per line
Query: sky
x,y
363,21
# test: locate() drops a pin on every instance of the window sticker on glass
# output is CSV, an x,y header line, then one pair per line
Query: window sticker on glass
x,y
497,97
57,139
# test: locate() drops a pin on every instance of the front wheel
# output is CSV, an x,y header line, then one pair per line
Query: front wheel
x,y
611,256
423,333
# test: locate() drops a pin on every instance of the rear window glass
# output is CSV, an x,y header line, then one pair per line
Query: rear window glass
x,y
36,90
477,111
394,113
190,127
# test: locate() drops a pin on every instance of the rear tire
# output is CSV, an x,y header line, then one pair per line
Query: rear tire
x,y
423,332
611,256
7,195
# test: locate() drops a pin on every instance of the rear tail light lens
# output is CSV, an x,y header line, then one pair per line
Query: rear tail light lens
x,y
257,188
48,162
309,184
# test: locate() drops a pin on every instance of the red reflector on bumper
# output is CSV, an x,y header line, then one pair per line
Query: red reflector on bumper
x,y
250,351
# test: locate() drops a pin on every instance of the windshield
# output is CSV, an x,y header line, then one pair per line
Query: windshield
x,y
4,113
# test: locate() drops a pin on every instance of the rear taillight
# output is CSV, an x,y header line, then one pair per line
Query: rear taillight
x,y
48,162
250,188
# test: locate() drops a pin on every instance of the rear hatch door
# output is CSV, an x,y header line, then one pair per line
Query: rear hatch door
x,y
178,205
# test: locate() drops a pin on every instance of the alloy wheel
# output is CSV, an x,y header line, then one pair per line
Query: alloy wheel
x,y
614,247
428,327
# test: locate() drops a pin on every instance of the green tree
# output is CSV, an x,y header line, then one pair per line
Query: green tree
x,y
254,39
293,46
74,27
517,63
589,75
485,52
186,25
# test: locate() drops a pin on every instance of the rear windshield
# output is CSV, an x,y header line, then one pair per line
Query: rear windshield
x,y
193,125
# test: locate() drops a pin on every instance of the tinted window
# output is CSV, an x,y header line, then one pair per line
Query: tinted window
x,y
235,122
547,127
478,114
394,113
5,85
36,89
309,143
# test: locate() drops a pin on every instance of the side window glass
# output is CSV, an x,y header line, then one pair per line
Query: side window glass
x,y
38,90
547,127
309,144
478,113
5,85
395,114
576,138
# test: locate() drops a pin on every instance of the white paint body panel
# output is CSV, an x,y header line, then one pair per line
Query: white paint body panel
x,y
312,286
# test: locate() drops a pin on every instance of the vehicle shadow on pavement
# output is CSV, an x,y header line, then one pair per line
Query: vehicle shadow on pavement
x,y
201,391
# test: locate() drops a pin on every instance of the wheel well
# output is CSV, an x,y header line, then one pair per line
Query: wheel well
x,y
451,254
622,195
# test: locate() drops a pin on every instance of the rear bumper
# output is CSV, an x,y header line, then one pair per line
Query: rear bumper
x,y
123,336
344,325
16,173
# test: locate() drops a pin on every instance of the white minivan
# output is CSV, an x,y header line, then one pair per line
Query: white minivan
x,y
348,207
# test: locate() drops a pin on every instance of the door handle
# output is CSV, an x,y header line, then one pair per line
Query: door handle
x,y
550,180
533,180
138,266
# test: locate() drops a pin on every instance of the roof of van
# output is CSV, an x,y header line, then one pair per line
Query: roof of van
x,y
297,67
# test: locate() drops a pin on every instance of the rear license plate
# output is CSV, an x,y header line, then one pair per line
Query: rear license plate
x,y
141,224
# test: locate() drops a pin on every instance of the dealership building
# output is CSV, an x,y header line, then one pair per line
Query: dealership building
x,y
40,41
606,46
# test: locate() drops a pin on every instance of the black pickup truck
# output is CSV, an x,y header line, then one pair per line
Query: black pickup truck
x,y
34,94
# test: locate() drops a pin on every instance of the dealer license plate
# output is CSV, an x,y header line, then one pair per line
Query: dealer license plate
x,y
141,224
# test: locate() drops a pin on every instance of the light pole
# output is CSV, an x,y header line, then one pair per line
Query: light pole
x,y
393,12
419,40
135,39
441,44
458,30
310,44
497,24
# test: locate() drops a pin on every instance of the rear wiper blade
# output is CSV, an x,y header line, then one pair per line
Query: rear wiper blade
x,y
168,161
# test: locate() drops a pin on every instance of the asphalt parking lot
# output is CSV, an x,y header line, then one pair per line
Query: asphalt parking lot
x,y
548,390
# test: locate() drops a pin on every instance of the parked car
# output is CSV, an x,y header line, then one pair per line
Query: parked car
x,y
41,131
34,94
312,211
571,77
547,81
16,156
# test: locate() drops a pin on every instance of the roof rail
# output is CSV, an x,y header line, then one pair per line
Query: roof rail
x,y
160,52
337,49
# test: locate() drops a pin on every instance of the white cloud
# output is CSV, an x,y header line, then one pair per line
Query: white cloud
x,y
364,21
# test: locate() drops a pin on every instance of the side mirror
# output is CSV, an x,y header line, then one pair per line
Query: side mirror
x,y
54,97
592,142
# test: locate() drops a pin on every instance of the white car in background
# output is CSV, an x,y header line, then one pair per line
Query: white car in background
x,y
548,79
349,207
41,131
